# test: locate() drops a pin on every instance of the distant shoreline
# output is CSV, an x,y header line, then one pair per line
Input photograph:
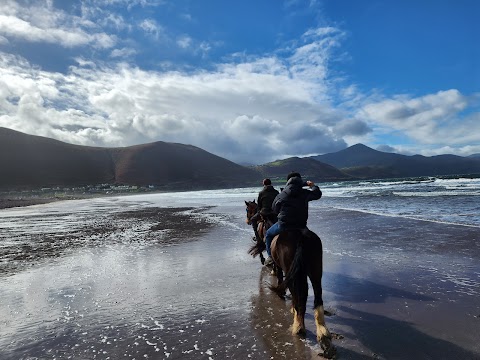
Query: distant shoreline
x,y
14,199
11,203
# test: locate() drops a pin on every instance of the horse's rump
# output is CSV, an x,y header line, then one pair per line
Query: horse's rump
x,y
298,252
290,238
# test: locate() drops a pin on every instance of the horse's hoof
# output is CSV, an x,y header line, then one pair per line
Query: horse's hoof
x,y
301,332
329,351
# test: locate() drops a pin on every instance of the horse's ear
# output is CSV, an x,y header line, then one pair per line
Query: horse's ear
x,y
253,201
246,203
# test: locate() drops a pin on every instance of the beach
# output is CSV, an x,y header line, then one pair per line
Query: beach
x,y
167,276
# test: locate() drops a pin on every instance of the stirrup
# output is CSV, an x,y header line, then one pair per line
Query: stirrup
x,y
269,262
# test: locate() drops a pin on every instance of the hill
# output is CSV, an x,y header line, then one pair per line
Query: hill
x,y
310,169
28,161
363,162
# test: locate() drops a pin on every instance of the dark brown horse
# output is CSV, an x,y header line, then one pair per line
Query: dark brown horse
x,y
299,255
263,224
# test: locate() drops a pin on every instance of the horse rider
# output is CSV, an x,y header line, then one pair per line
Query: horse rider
x,y
264,201
291,206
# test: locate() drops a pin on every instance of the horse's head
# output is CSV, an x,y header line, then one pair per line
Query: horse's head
x,y
251,210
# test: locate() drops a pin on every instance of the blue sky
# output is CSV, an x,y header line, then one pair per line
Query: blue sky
x,y
251,81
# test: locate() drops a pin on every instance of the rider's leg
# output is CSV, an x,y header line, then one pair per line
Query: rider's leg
x,y
271,233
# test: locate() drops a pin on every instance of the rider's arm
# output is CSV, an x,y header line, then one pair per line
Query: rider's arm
x,y
314,193
277,204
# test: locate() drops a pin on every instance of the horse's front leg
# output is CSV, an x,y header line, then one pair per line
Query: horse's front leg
x,y
262,258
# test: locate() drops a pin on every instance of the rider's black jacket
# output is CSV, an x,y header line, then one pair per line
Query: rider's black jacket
x,y
266,197
291,204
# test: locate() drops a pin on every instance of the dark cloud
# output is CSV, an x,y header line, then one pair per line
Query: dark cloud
x,y
386,148
352,128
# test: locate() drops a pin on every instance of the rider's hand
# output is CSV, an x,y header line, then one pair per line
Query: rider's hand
x,y
310,183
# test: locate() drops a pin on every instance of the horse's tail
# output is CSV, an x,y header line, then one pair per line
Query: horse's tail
x,y
257,248
295,277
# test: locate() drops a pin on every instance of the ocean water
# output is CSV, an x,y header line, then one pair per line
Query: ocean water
x,y
450,200
447,200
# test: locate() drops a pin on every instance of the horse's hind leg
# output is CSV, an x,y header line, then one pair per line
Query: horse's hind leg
x,y
299,305
323,335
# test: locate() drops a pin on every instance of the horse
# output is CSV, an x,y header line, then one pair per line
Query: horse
x,y
298,253
264,224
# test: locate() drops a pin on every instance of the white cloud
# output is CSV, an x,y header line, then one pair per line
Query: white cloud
x,y
249,111
41,22
184,41
431,119
123,53
152,28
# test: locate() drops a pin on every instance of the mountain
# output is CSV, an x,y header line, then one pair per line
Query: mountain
x,y
173,165
310,169
28,161
363,162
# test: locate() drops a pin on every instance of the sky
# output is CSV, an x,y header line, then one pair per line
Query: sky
x,y
250,81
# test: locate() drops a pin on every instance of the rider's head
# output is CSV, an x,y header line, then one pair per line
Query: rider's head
x,y
293,174
267,182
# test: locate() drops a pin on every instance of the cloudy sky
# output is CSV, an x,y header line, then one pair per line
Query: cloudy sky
x,y
251,81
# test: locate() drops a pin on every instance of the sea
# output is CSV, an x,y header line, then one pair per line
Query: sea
x,y
450,200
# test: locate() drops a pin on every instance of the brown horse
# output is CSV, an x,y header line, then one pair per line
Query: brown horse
x,y
264,224
299,254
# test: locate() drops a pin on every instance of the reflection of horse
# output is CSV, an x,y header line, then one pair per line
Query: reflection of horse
x,y
269,309
299,254
263,225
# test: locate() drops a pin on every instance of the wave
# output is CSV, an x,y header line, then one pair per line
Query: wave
x,y
404,216
431,186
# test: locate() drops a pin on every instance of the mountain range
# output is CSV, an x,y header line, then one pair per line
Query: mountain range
x,y
363,162
29,161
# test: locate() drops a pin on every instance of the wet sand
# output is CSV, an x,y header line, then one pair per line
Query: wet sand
x,y
107,279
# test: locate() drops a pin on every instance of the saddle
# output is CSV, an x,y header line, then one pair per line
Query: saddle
x,y
304,233
268,216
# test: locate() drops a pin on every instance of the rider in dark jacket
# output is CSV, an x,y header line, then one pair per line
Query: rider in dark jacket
x,y
264,201
291,205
